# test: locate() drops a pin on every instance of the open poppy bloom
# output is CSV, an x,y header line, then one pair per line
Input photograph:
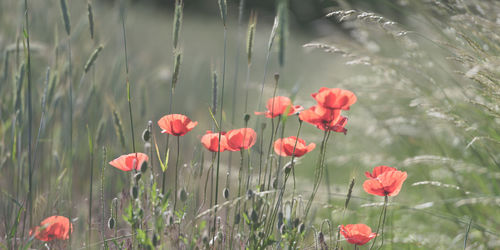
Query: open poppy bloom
x,y
176,124
335,98
129,162
379,170
358,234
388,182
53,228
285,146
243,138
210,141
324,119
278,106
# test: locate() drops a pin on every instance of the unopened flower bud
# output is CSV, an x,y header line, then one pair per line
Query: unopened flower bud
x,y
144,167
137,177
249,194
134,192
146,135
225,193
111,223
156,239
183,195
302,228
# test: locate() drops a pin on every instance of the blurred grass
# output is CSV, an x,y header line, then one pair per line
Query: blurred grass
x,y
427,98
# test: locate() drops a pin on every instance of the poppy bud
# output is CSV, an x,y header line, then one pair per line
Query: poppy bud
x,y
247,118
170,219
282,229
249,194
237,218
111,223
302,228
225,193
135,192
205,239
276,76
156,239
296,222
288,168
254,216
144,167
275,183
146,135
137,177
183,195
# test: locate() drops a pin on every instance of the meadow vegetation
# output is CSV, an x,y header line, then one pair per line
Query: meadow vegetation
x,y
128,127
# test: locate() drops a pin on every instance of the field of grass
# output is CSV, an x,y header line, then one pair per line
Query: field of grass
x,y
79,90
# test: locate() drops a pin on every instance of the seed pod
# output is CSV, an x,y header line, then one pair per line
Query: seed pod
x,y
183,195
146,135
225,193
144,167
246,118
111,223
134,192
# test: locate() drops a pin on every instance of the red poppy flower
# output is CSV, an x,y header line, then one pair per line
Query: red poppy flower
x,y
129,162
379,170
284,146
358,234
278,106
385,183
176,124
243,138
324,119
335,98
211,141
52,228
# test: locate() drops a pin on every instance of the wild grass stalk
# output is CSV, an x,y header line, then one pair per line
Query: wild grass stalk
x,y
223,11
267,163
129,90
91,154
252,23
90,14
30,116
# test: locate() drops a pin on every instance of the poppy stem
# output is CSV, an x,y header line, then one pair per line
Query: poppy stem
x,y
381,221
318,172
176,172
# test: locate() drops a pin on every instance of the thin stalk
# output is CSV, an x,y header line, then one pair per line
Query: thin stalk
x,y
318,172
102,192
381,220
177,171
91,152
220,129
127,80
30,117
210,170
